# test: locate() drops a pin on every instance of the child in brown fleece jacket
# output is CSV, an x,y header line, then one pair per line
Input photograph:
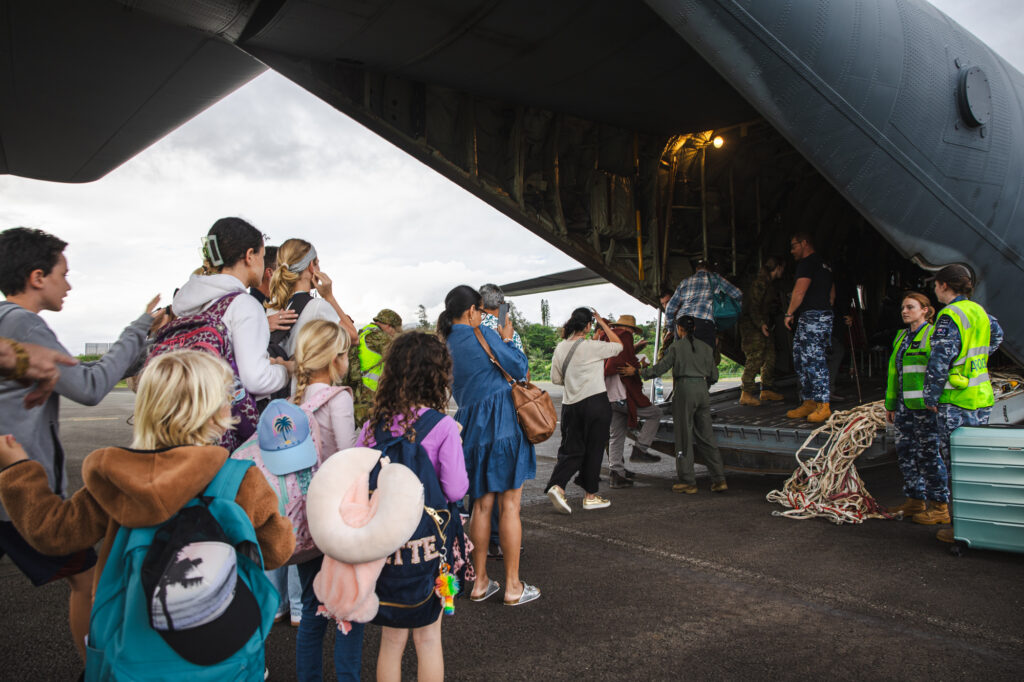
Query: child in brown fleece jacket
x,y
183,405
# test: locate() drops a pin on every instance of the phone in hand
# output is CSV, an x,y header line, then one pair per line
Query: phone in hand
x,y
502,314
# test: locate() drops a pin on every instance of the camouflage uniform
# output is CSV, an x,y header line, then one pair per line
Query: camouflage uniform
x,y
946,344
925,476
377,340
759,349
812,339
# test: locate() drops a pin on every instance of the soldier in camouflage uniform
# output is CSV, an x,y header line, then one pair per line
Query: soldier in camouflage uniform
x,y
956,384
369,349
810,307
917,435
755,337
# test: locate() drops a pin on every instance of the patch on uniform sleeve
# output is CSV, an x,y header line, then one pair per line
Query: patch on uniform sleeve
x,y
941,331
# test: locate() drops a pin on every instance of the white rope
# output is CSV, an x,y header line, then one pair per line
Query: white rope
x,y
828,484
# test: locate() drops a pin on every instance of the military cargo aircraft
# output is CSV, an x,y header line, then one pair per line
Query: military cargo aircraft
x,y
634,136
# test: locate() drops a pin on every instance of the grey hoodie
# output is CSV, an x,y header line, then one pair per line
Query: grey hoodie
x,y
38,429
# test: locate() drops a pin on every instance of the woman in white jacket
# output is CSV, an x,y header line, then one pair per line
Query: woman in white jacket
x,y
233,261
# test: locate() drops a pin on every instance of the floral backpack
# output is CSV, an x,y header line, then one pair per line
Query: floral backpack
x,y
299,428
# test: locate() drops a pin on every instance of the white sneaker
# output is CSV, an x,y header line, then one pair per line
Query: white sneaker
x,y
557,497
596,502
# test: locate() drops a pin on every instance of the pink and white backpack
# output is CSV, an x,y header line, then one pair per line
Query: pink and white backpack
x,y
291,488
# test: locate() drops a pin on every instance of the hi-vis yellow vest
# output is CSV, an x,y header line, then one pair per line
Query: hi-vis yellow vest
x,y
968,384
370,361
915,362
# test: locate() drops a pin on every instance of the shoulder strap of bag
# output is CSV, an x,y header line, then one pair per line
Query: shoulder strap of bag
x,y
227,481
572,351
490,354
426,423
322,398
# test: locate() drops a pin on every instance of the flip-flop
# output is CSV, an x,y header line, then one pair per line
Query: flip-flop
x,y
529,594
492,589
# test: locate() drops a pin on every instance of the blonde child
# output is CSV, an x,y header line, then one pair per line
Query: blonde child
x,y
321,360
182,409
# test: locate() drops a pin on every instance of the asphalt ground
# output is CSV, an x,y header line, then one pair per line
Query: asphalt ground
x,y
659,586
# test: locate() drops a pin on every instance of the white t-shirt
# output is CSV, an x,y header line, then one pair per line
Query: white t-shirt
x,y
584,376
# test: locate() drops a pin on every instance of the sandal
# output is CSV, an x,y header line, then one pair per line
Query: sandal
x,y
492,589
529,594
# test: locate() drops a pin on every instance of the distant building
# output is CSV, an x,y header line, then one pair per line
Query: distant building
x,y
97,348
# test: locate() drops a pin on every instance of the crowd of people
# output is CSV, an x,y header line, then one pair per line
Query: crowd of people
x,y
246,353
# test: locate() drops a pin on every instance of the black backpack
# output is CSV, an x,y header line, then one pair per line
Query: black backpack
x,y
406,583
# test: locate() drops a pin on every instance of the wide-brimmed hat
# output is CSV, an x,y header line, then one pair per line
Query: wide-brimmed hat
x,y
389,317
627,321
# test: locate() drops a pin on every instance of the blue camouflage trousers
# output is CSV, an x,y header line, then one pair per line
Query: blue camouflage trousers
x,y
951,417
917,451
813,336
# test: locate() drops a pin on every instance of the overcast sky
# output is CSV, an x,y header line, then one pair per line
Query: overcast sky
x,y
389,231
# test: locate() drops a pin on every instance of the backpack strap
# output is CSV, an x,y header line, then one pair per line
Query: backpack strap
x,y
426,423
227,481
322,398
220,306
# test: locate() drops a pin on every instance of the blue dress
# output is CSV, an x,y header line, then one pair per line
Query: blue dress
x,y
498,455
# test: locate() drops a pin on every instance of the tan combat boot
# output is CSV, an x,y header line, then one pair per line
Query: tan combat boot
x,y
747,398
821,413
805,409
938,512
945,535
769,394
909,508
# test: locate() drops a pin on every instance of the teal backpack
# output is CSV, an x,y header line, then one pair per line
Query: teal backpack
x,y
122,643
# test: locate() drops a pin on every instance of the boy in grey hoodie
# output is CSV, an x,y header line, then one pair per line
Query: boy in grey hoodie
x,y
33,279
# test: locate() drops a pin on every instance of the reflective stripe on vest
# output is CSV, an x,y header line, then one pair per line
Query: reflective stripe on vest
x,y
972,362
915,362
370,361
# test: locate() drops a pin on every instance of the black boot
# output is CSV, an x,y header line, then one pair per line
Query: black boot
x,y
643,456
620,481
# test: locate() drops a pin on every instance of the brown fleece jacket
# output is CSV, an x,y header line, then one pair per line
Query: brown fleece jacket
x,y
133,488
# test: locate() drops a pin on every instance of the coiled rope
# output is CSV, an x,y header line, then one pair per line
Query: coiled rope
x,y
828,484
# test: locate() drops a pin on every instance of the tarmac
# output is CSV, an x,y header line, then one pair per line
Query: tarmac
x,y
658,586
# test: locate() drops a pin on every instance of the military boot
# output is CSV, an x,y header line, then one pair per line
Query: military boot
x,y
821,413
747,398
769,394
938,512
805,409
945,535
909,508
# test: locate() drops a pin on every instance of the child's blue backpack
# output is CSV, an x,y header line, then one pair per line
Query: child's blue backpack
x,y
407,581
186,599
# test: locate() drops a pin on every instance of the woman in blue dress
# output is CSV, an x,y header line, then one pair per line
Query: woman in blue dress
x,y
499,458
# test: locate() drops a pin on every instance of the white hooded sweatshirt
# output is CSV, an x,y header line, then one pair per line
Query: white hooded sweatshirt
x,y
246,321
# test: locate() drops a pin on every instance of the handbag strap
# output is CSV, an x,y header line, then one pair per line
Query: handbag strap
x,y
490,354
572,351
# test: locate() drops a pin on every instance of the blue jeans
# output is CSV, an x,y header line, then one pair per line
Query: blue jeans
x,y
309,643
286,581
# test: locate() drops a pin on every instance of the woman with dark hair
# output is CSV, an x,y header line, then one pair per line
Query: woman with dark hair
x,y
693,371
917,440
578,365
232,262
956,384
499,458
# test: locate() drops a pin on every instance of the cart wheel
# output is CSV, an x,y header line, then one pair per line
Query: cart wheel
x,y
958,549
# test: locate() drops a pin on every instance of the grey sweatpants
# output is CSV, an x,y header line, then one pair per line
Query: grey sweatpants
x,y
617,432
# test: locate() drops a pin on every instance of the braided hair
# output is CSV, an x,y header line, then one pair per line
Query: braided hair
x,y
688,323
318,344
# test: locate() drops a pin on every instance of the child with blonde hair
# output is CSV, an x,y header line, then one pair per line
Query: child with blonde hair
x,y
182,409
321,360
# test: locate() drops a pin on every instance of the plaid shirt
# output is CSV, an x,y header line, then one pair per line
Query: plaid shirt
x,y
695,296
491,321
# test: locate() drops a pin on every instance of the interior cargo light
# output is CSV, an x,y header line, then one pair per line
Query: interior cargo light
x,y
718,141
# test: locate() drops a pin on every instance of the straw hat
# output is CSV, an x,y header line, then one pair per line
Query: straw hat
x,y
627,321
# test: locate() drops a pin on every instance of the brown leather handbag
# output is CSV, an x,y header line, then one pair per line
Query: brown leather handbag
x,y
533,405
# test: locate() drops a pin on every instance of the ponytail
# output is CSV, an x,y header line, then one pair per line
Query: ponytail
x,y
688,324
456,303
291,253
577,322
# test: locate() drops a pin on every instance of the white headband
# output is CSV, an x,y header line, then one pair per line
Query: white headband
x,y
304,263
